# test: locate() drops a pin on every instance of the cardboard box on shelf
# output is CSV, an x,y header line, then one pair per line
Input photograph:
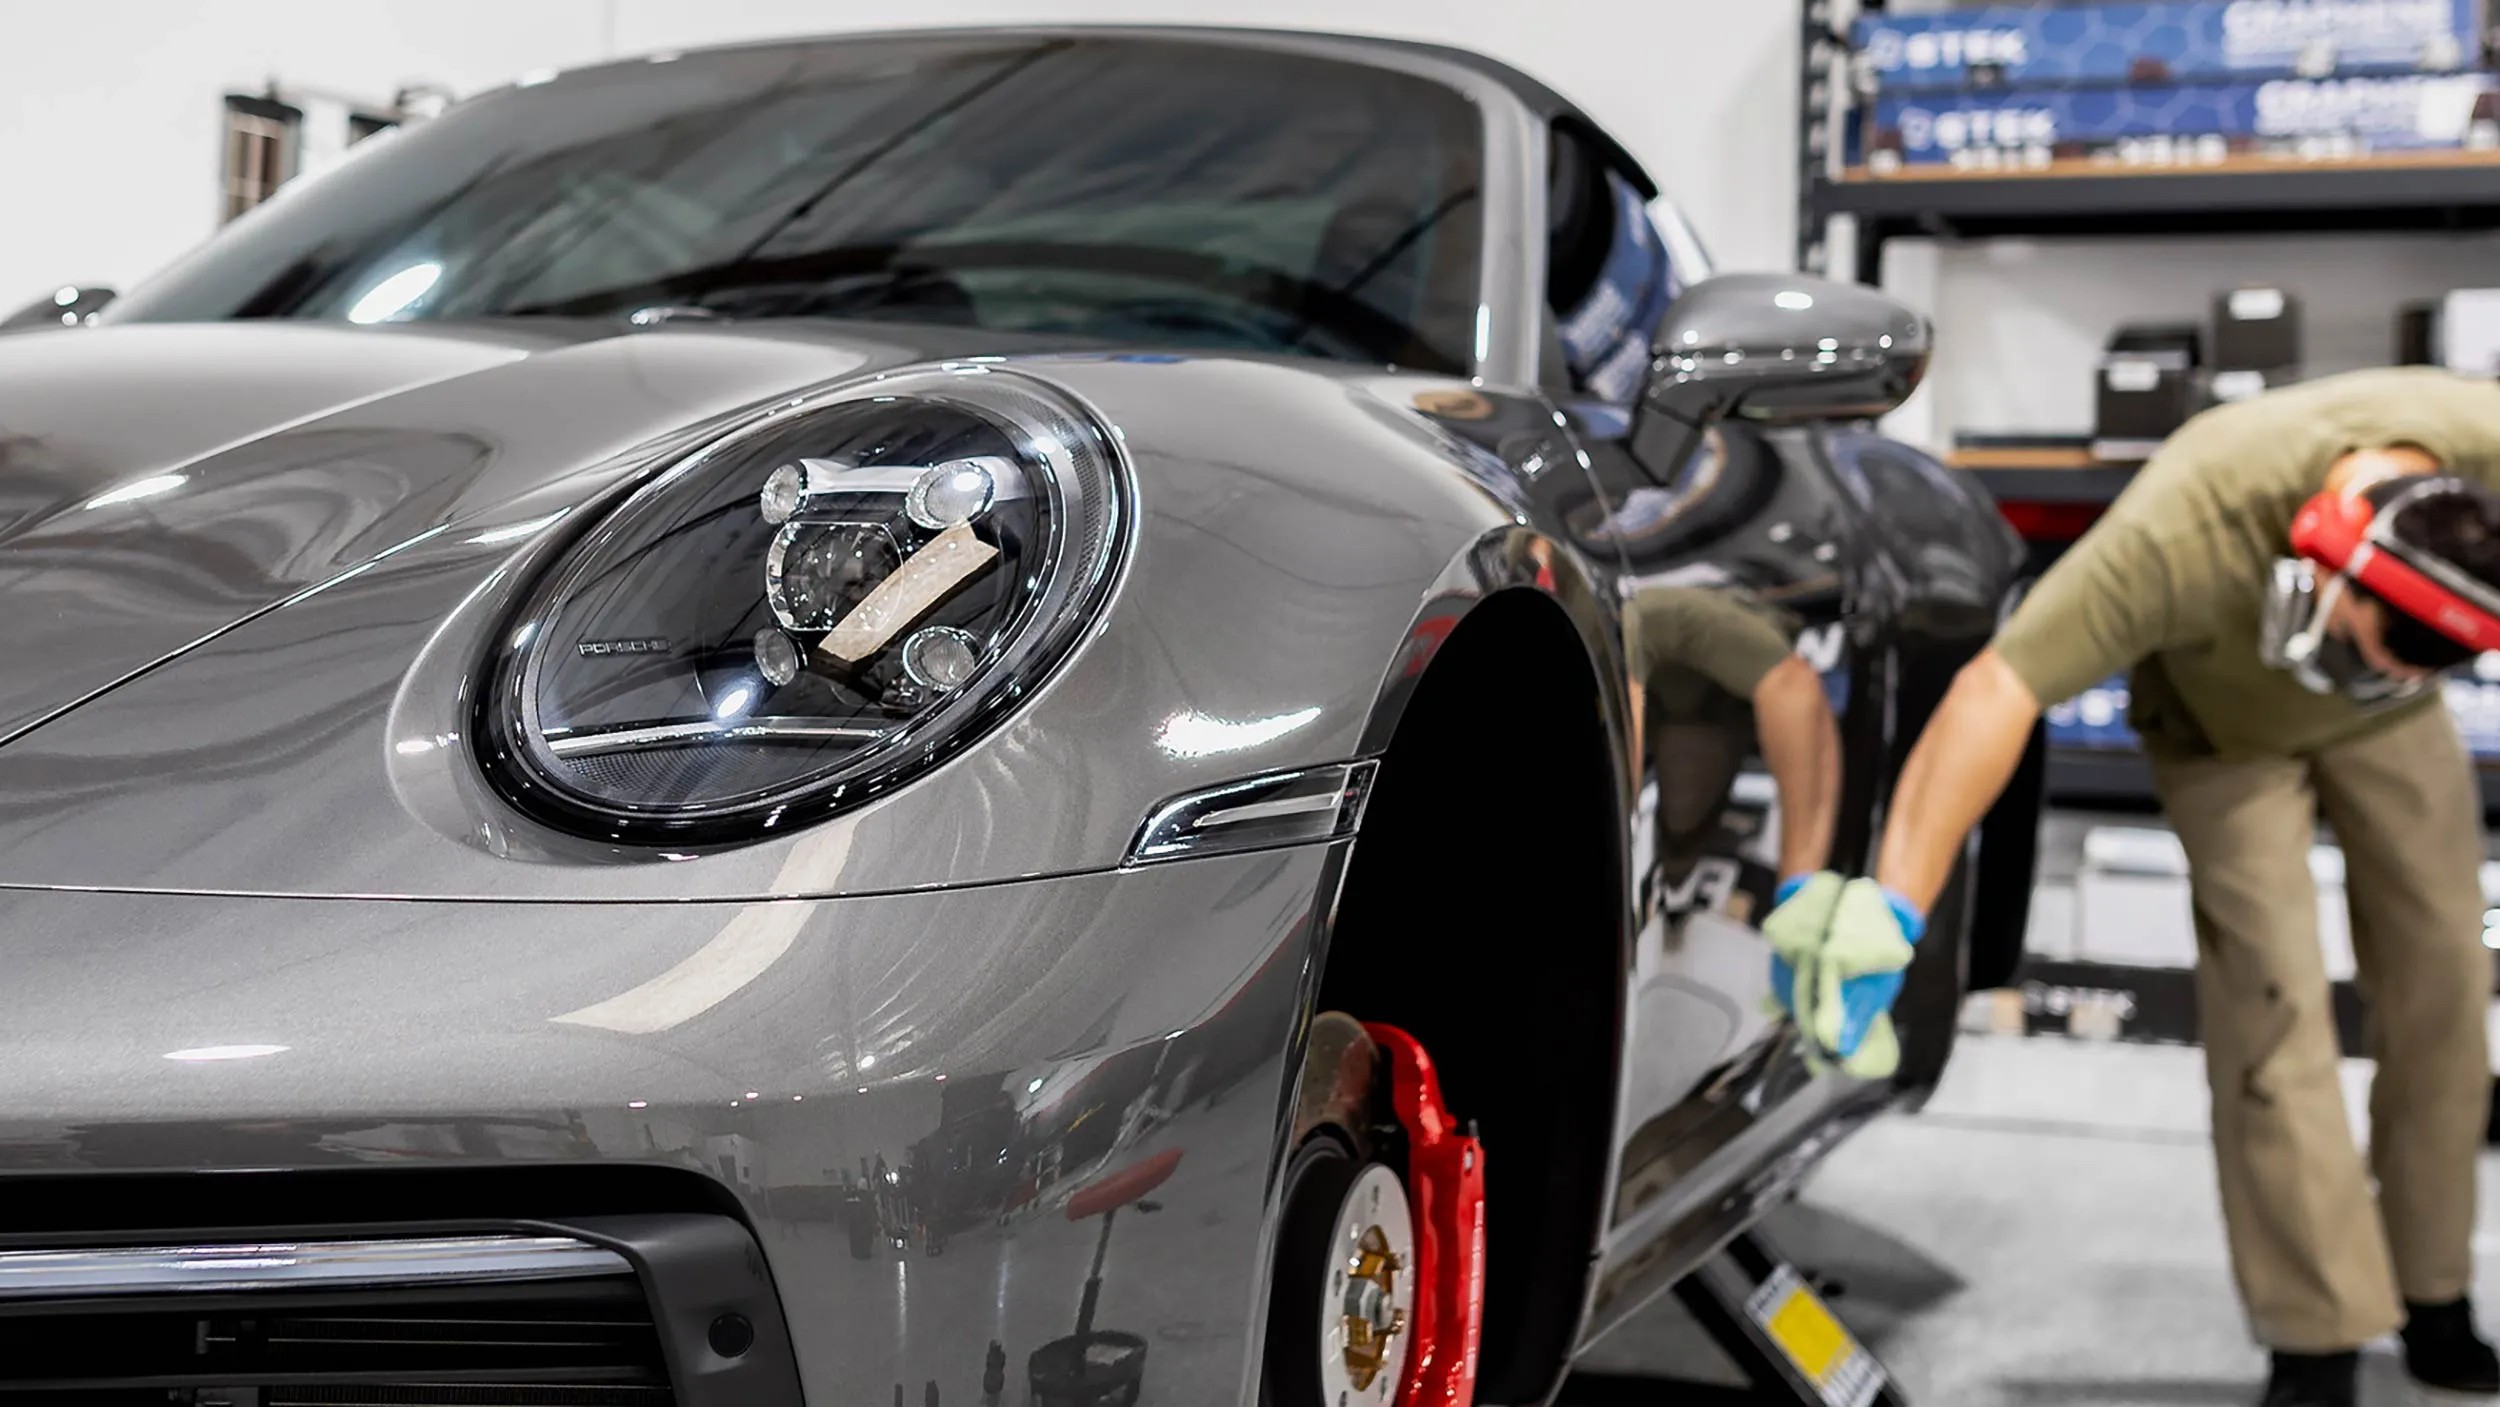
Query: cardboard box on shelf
x,y
2468,334
2232,387
2146,389
2417,333
2184,41
2198,125
2459,330
2256,328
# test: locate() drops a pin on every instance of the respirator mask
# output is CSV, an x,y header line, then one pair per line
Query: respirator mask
x,y
2343,541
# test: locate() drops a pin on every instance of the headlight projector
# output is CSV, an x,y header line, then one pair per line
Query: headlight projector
x,y
825,601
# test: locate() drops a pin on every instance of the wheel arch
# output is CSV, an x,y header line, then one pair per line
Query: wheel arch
x,y
1483,909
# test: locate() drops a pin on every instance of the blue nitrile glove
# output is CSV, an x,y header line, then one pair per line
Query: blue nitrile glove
x,y
1801,913
1859,972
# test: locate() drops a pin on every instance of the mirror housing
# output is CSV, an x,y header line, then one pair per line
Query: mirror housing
x,y
73,305
1784,347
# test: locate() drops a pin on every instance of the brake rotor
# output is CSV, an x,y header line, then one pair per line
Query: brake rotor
x,y
1367,1311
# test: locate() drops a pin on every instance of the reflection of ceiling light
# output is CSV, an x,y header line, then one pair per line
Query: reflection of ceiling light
x,y
868,1062
65,295
1793,300
1193,734
637,1103
1035,1087
751,1094
941,1079
203,1054
396,294
137,489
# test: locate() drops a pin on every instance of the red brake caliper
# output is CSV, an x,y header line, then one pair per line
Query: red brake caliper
x,y
1445,1180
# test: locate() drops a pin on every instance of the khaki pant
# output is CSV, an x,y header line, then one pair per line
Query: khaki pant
x,y
2320,1262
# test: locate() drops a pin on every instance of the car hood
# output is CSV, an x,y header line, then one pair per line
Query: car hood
x,y
253,568
159,484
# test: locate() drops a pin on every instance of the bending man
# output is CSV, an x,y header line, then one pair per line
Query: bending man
x,y
2286,579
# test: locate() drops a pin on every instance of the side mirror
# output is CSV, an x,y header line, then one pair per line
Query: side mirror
x,y
70,306
1785,347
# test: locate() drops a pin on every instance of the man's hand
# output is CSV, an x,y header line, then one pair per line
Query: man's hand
x,y
1796,927
1859,972
1839,950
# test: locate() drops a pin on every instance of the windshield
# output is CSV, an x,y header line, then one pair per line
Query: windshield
x,y
1134,190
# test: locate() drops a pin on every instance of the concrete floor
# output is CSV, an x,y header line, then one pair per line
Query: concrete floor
x,y
2046,1234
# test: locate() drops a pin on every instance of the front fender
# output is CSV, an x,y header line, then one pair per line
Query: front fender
x,y
1292,542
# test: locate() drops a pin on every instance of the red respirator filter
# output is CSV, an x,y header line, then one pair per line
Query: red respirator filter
x,y
2348,534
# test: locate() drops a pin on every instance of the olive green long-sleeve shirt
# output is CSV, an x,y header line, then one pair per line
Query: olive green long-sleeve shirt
x,y
2172,581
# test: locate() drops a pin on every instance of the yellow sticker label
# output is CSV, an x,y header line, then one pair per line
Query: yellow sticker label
x,y
1810,1336
1798,1325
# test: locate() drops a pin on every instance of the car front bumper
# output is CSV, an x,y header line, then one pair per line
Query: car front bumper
x,y
900,1094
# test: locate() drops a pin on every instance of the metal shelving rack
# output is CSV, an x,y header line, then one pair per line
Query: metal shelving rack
x,y
1855,214
2457,191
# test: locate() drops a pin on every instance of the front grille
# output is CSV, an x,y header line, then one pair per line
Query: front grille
x,y
498,1321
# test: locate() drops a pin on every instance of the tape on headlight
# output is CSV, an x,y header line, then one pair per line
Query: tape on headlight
x,y
826,601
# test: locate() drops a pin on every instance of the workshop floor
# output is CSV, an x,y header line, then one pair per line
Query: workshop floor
x,y
2046,1234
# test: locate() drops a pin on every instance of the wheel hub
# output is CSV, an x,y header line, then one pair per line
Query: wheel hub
x,y
1364,1313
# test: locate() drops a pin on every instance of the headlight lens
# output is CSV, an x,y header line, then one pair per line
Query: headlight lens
x,y
822,603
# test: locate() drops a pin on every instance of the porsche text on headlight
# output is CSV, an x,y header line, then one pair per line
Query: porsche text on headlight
x,y
825,601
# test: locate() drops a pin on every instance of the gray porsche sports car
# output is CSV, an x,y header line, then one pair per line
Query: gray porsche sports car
x,y
939,718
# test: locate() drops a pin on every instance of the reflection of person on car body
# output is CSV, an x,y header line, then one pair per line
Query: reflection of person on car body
x,y
1702,659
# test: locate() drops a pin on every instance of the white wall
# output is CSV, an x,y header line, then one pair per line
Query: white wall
x,y
110,117
111,110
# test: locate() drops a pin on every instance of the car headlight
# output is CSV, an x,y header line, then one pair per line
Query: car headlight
x,y
823,602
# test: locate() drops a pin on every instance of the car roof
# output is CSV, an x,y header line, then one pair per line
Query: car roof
x,y
1541,99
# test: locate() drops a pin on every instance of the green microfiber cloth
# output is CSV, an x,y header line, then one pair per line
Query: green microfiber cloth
x,y
1865,945
1795,930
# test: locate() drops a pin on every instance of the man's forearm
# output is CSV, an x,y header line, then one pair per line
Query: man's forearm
x,y
1801,745
1961,763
